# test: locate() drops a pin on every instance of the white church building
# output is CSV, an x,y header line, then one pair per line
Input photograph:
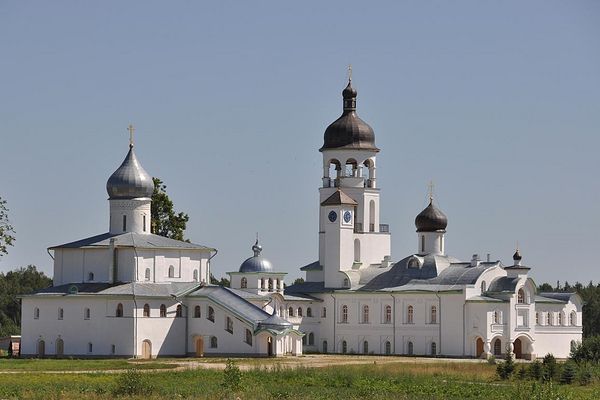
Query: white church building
x,y
130,293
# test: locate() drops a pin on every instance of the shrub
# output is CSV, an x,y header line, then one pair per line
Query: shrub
x,y
588,350
232,376
536,370
585,374
568,373
491,360
506,369
132,382
550,367
522,373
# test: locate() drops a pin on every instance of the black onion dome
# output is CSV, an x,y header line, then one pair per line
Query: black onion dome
x,y
517,256
431,219
349,131
256,263
130,180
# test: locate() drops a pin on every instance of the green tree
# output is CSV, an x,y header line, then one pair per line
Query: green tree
x,y
165,221
12,284
7,231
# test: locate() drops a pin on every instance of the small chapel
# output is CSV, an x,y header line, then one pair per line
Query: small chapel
x,y
130,293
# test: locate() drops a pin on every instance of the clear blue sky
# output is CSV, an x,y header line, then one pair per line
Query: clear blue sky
x,y
497,102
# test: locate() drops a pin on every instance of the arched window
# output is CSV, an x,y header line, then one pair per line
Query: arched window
x,y
573,318
299,311
325,346
124,223
356,250
483,287
324,312
91,276
537,318
248,337
211,314
197,313
496,317
163,311
270,284
344,313
549,319
86,313
433,348
290,312
195,275
119,311
309,312
433,314
179,311
344,347
244,283
346,282
90,348
365,314
144,224
146,310
387,315
171,271
422,243
498,347
560,319
304,340
388,347
311,339
61,313
213,342
147,274
229,325
365,347
410,315
521,296
410,348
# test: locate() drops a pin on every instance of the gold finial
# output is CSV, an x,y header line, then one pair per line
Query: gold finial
x,y
349,72
131,129
430,191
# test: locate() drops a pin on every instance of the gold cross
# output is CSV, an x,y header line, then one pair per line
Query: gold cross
x,y
349,72
430,191
131,130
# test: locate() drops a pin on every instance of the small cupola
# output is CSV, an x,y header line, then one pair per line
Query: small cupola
x,y
256,263
517,258
431,219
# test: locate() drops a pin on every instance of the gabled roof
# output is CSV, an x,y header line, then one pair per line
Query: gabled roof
x,y
552,297
144,289
339,198
131,239
313,266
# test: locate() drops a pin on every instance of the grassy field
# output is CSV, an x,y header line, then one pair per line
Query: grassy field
x,y
32,365
400,380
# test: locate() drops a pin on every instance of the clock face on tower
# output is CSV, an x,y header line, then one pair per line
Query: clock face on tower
x,y
332,216
347,217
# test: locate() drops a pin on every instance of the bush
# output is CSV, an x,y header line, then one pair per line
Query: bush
x,y
536,370
232,376
585,374
132,382
491,360
522,373
550,367
588,350
567,375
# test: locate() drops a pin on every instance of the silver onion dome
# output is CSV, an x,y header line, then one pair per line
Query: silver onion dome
x,y
130,180
256,263
431,219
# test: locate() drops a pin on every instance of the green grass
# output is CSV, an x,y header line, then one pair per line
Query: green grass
x,y
414,381
74,365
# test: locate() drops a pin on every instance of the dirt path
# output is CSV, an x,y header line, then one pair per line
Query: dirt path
x,y
307,361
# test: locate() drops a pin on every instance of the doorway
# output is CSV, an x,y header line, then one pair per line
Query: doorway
x,y
41,348
518,348
270,346
60,347
199,346
146,349
479,347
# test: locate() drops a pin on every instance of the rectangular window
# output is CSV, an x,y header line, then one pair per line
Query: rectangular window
x,y
113,349
422,243
124,223
144,224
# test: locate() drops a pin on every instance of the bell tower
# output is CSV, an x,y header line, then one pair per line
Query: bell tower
x,y
351,236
